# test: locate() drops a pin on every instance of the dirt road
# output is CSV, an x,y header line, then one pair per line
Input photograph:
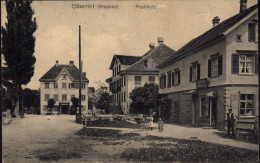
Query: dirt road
x,y
23,136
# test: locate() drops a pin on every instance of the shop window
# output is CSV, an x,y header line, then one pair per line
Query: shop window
x,y
246,105
204,108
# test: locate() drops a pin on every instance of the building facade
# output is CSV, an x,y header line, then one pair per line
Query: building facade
x,y
61,83
214,72
129,72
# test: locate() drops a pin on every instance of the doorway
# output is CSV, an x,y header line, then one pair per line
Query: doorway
x,y
64,109
213,112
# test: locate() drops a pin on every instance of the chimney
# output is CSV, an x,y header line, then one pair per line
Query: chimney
x,y
57,63
160,40
215,21
71,63
243,5
151,45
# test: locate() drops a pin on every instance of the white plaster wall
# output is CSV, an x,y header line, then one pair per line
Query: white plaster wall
x,y
232,45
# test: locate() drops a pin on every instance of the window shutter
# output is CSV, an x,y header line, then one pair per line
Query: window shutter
x,y
209,68
173,79
220,65
235,63
256,63
190,73
198,72
179,77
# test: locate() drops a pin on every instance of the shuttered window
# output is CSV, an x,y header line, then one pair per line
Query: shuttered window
x,y
245,63
194,72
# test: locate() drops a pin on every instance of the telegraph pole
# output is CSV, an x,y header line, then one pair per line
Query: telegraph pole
x,y
80,76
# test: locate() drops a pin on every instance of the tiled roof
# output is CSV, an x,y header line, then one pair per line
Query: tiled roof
x,y
159,54
213,34
125,60
56,70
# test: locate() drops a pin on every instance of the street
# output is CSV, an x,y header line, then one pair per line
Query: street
x,y
39,138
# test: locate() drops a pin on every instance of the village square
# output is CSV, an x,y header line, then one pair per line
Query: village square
x,y
73,90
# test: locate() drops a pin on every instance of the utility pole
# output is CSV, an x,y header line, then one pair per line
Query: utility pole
x,y
80,77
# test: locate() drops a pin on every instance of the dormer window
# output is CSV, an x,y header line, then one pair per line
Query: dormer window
x,y
149,63
64,76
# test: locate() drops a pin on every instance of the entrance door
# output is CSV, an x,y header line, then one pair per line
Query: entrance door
x,y
214,112
64,109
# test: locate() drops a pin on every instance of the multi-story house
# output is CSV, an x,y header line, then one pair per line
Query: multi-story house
x,y
61,83
214,72
129,72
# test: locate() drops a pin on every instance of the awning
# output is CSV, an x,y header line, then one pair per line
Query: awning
x,y
192,92
212,94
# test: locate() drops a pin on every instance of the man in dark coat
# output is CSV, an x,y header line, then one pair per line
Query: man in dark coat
x,y
230,121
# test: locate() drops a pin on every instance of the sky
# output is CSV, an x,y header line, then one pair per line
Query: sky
x,y
125,31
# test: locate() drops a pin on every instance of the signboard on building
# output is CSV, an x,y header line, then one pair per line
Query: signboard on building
x,y
202,83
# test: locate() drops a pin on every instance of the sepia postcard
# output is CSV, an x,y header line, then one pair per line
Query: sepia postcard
x,y
129,81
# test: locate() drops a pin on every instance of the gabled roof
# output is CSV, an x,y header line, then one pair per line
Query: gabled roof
x,y
124,60
55,71
159,54
211,35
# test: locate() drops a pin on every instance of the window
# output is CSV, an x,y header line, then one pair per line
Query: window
x,y
138,80
204,108
251,32
169,79
83,97
246,105
194,72
177,77
55,85
151,79
163,81
246,64
47,85
239,38
55,97
47,96
215,65
64,85
63,76
64,97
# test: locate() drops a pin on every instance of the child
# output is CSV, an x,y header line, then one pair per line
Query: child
x,y
160,125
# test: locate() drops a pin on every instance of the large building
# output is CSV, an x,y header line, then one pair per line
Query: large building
x,y
214,72
129,72
61,83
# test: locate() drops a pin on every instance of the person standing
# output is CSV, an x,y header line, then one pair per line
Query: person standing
x,y
160,125
230,122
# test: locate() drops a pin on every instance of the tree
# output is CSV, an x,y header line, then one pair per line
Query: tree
x,y
51,103
18,43
31,99
143,98
75,104
102,97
